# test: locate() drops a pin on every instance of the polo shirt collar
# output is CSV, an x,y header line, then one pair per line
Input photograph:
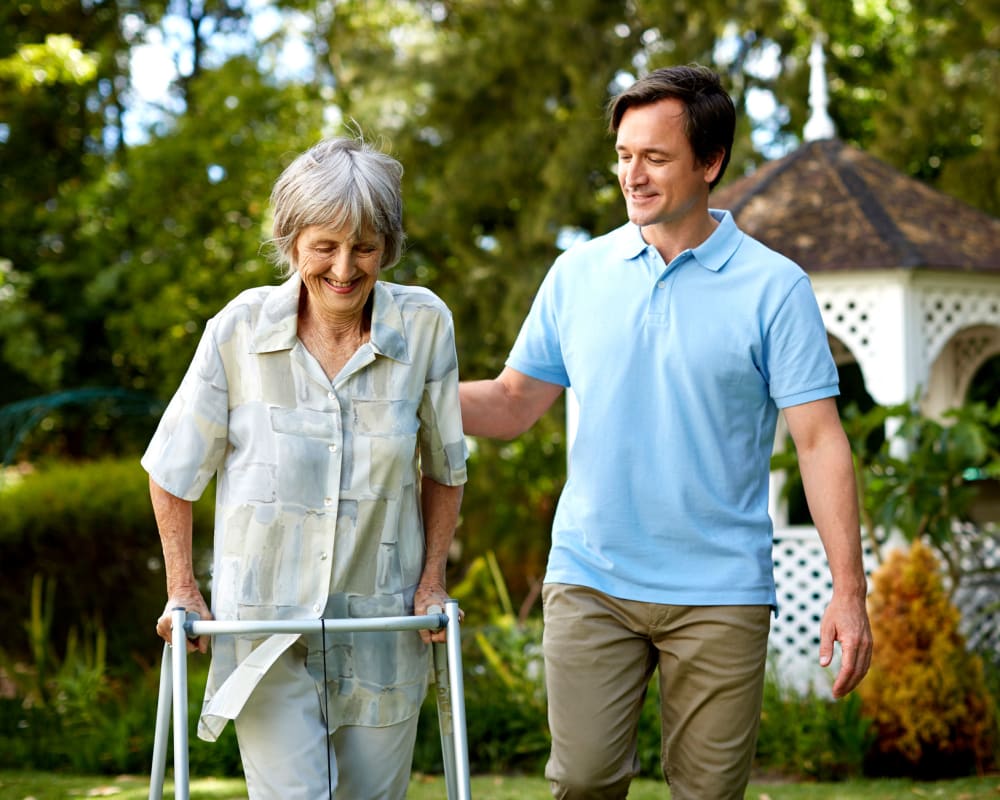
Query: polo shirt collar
x,y
277,324
712,254
630,240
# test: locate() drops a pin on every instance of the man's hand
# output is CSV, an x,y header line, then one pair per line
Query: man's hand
x,y
192,602
846,621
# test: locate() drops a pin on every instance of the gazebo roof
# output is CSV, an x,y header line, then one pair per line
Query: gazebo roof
x,y
833,208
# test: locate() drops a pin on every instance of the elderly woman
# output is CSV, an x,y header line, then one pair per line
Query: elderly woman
x,y
328,408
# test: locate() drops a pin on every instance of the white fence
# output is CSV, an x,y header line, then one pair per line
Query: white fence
x,y
803,586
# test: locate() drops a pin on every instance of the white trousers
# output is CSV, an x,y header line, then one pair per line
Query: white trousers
x,y
282,739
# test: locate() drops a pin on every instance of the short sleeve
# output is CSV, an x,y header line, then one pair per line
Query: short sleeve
x,y
190,441
537,351
800,367
443,451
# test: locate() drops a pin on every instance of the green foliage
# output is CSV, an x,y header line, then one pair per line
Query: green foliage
x,y
508,508
58,135
504,679
193,204
926,492
58,60
925,692
99,721
69,708
116,251
808,736
88,531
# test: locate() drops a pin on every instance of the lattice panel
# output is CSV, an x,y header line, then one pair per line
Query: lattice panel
x,y
802,581
978,596
850,315
944,311
968,349
803,584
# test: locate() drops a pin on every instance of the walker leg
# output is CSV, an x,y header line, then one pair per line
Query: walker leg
x,y
442,687
162,729
457,690
181,779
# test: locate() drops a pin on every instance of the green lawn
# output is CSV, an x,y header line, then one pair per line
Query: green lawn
x,y
50,786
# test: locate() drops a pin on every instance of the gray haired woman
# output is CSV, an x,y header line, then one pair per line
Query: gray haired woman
x,y
328,408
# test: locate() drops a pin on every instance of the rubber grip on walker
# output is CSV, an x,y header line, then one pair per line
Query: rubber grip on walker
x,y
191,617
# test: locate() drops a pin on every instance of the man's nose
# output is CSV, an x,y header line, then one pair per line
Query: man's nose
x,y
634,174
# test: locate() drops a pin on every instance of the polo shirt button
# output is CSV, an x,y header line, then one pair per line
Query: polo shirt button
x,y
316,608
328,501
331,395
662,284
332,448
322,556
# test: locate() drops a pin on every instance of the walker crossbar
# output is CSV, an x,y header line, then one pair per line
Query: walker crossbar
x,y
450,688
431,622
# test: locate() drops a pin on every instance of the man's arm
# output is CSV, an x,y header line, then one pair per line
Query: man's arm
x,y
174,521
440,505
505,407
831,492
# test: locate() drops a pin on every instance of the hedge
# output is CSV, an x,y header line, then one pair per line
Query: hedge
x,y
88,530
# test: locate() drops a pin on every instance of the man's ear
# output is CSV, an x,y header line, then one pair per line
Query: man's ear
x,y
712,165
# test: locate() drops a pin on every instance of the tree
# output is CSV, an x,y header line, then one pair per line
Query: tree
x,y
913,82
56,93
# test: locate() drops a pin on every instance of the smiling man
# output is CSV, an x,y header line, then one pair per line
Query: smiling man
x,y
682,338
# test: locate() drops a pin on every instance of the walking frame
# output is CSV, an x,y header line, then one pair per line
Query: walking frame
x,y
449,687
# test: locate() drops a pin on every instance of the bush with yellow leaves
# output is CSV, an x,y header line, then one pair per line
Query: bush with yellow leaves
x,y
925,692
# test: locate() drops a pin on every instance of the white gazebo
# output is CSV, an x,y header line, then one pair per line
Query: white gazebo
x,y
908,281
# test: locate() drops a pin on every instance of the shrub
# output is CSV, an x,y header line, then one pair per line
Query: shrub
x,y
88,529
925,692
804,735
94,722
504,702
504,681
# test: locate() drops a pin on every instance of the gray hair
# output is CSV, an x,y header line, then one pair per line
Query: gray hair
x,y
339,182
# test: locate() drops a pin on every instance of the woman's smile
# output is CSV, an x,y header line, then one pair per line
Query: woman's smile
x,y
339,268
341,287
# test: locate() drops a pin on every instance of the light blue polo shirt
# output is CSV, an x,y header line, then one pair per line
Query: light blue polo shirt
x,y
680,370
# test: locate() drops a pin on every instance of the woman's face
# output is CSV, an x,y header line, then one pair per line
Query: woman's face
x,y
338,269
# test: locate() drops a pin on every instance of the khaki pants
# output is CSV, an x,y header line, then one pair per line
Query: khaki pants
x,y
282,740
600,652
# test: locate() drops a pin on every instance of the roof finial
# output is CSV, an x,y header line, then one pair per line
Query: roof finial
x,y
819,125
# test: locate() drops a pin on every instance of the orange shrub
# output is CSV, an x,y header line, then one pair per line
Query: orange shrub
x,y
925,692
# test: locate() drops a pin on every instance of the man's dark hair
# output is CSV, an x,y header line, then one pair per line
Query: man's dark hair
x,y
710,118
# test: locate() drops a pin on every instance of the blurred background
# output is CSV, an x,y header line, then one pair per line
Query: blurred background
x,y
138,144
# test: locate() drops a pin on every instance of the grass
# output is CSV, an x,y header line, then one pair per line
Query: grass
x,y
53,786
